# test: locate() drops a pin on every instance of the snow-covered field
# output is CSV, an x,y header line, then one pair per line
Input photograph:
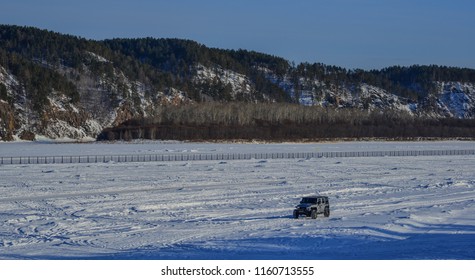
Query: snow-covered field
x,y
381,207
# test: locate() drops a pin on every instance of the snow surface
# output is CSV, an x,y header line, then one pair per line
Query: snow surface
x,y
381,208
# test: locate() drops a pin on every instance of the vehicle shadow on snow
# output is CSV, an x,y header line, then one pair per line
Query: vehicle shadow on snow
x,y
378,244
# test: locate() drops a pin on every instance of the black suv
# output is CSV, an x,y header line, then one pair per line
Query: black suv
x,y
311,206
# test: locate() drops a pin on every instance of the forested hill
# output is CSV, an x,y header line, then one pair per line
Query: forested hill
x,y
59,86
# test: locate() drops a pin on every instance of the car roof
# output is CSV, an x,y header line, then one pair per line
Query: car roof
x,y
315,196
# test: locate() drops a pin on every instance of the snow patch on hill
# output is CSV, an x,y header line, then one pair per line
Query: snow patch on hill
x,y
8,80
97,57
458,98
239,85
238,82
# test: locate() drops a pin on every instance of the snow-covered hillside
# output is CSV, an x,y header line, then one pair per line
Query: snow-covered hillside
x,y
105,101
381,208
59,86
457,99
450,99
110,100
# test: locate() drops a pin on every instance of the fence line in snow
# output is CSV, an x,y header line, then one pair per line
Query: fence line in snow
x,y
225,156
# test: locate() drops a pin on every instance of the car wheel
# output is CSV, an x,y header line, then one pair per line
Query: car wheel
x,y
314,214
326,212
296,215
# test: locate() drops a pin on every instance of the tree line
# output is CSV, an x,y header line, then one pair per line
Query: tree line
x,y
281,122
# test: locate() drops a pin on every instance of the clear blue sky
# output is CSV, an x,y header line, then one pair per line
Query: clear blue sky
x,y
349,33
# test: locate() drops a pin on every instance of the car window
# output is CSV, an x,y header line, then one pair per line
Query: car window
x,y
308,200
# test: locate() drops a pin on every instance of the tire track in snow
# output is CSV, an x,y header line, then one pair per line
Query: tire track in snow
x,y
72,195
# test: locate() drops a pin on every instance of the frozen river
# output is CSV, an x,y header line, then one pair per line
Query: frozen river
x,y
381,208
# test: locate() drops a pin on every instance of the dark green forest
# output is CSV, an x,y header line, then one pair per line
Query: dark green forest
x,y
35,55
